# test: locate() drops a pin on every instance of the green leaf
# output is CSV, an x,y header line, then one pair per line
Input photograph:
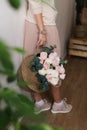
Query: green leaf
x,y
26,100
19,50
11,78
40,127
6,93
5,118
15,3
22,84
62,61
58,129
22,104
5,57
17,125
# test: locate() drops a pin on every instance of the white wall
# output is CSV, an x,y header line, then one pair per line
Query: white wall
x,y
11,31
64,21
12,26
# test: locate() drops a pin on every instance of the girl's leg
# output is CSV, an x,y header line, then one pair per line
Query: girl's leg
x,y
59,105
40,104
37,97
56,94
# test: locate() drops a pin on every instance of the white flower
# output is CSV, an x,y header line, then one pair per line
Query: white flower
x,y
43,55
49,78
48,60
58,59
55,73
49,71
62,76
42,72
52,55
55,62
60,69
54,81
52,72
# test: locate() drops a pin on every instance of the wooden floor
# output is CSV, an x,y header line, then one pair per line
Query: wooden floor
x,y
74,88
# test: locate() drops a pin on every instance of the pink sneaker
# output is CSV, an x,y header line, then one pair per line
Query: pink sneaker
x,y
46,106
64,108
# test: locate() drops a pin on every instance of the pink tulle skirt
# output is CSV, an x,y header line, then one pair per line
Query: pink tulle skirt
x,y
31,37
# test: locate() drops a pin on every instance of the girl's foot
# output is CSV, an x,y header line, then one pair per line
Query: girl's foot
x,y
43,107
61,107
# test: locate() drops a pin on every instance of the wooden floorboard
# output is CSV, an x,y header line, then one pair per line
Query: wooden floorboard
x,y
74,88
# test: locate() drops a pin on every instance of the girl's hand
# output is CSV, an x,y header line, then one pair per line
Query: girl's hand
x,y
42,40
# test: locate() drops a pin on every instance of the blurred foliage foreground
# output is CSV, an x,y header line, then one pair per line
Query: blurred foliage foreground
x,y
14,106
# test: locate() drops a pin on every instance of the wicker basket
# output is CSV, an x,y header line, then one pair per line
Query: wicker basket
x,y
25,74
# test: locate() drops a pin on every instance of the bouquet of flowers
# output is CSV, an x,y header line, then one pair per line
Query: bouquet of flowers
x,y
48,67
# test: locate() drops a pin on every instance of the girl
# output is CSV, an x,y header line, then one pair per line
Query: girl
x,y
41,30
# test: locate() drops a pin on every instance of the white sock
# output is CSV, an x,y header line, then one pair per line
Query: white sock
x,y
40,103
58,104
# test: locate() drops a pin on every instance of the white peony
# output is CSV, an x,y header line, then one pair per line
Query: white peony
x,y
53,55
58,59
49,71
52,72
54,81
42,72
55,73
62,76
48,60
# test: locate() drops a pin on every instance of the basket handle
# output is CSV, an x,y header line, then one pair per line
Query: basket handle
x,y
37,50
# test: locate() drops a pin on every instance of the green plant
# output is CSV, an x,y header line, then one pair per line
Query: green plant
x,y
15,3
14,105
